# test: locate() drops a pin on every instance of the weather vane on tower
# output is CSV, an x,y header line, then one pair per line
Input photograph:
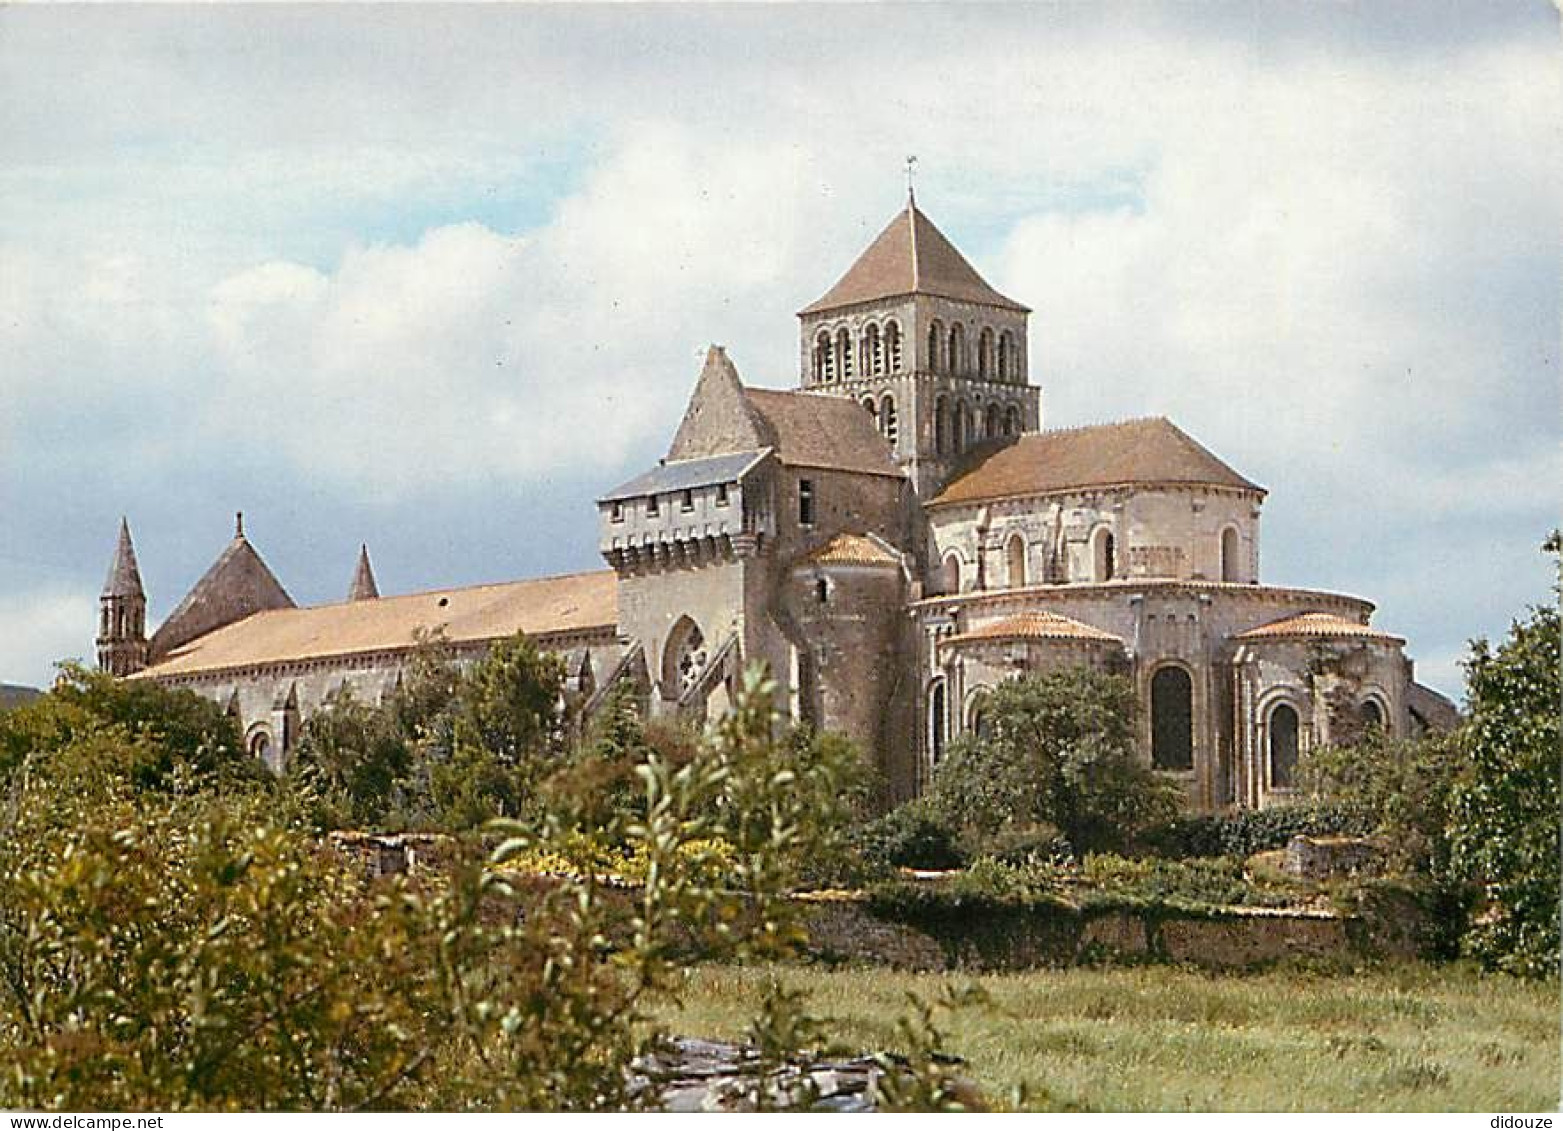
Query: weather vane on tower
x,y
911,170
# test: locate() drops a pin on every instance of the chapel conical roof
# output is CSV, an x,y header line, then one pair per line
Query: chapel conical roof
x,y
911,257
124,579
363,587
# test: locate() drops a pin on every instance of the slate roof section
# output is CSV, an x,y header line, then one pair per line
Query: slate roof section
x,y
238,583
679,475
818,430
581,602
1036,626
124,577
909,257
855,549
1317,626
1152,450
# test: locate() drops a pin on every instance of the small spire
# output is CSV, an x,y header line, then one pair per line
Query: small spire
x,y
124,579
911,171
363,587
238,524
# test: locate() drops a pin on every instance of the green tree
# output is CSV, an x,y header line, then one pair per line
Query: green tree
x,y
184,731
450,748
1057,749
1506,807
1403,786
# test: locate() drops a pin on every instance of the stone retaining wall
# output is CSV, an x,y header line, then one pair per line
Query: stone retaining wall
x,y
1003,938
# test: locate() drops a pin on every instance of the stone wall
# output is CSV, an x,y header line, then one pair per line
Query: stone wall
x,y
1007,939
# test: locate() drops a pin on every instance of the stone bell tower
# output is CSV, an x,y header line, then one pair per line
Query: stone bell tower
x,y
933,353
122,612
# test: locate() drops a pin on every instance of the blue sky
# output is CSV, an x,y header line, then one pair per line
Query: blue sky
x,y
432,277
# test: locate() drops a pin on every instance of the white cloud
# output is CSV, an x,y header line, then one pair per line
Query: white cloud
x,y
39,628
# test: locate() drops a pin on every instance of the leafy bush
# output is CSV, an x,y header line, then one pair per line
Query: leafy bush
x,y
1210,882
1247,831
195,948
1059,749
909,836
1400,789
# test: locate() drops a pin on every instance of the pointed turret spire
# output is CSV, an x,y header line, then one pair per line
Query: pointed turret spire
x,y
363,587
124,579
122,611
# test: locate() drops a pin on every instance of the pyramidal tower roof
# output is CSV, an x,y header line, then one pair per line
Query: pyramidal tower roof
x,y
363,587
238,584
124,579
910,257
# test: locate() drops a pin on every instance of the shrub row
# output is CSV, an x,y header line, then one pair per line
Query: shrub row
x,y
1243,833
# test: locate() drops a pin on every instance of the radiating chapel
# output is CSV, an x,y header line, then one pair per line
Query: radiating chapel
x,y
893,538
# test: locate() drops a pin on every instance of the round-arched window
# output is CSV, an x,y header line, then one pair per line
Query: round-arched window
x,y
1284,727
1371,714
1172,720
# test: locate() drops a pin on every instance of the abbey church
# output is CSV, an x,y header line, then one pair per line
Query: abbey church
x,y
892,538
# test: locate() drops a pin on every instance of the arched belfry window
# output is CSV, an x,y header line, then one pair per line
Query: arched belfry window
x,y
985,354
1012,421
1172,720
1284,727
873,364
887,421
951,581
844,353
1015,554
935,346
941,426
824,364
1104,555
893,347
1230,568
873,409
958,440
1008,369
957,351
991,425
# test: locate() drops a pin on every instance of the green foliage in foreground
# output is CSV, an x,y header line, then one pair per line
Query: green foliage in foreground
x,y
183,942
1404,1038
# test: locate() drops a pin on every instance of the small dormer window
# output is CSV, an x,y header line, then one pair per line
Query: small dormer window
x,y
721,494
651,506
686,501
617,514
806,502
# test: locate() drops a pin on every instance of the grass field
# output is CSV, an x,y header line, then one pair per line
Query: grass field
x,y
1417,1038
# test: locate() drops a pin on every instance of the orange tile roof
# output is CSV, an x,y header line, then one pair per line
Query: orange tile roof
x,y
909,257
820,430
1316,626
855,549
1036,626
1153,450
541,606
